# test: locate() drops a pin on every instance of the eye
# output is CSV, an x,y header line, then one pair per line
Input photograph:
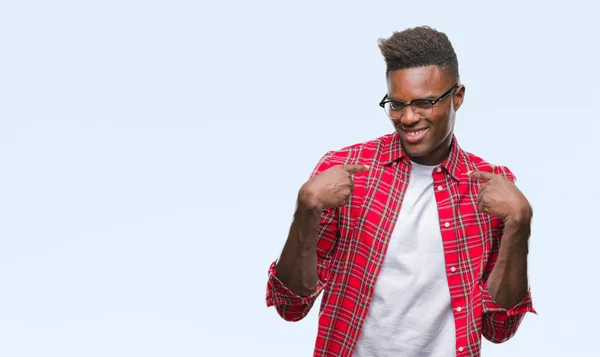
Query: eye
x,y
396,106
422,104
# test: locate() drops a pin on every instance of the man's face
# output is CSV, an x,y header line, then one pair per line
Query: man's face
x,y
425,140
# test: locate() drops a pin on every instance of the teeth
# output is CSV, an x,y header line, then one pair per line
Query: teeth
x,y
415,133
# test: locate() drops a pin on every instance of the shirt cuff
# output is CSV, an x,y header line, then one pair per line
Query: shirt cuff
x,y
491,306
279,294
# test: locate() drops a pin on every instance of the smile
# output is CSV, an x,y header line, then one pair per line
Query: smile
x,y
416,132
414,136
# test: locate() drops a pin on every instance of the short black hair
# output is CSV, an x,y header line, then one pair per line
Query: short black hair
x,y
417,47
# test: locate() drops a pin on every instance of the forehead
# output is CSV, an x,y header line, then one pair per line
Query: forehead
x,y
418,82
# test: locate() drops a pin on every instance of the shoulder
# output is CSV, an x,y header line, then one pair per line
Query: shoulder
x,y
363,153
475,162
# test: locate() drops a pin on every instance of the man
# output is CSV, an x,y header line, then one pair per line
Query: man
x,y
419,247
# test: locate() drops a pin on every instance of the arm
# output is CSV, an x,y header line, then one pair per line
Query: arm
x,y
506,297
297,265
297,278
508,283
506,294
300,274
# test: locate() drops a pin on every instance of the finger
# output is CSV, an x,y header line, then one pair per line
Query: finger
x,y
481,175
482,204
345,200
482,189
354,169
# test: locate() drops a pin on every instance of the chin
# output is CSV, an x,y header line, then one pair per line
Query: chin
x,y
418,150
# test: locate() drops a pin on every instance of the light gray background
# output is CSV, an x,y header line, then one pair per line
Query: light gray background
x,y
151,152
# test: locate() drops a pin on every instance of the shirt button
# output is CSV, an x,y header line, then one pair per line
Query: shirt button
x,y
439,169
459,309
460,349
446,224
453,269
440,188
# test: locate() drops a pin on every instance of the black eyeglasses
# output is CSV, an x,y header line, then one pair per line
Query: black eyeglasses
x,y
421,107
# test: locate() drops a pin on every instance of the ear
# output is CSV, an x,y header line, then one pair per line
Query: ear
x,y
458,97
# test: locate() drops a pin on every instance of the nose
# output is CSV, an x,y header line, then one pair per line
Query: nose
x,y
409,118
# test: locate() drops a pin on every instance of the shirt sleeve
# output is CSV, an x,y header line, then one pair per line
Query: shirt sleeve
x,y
289,305
500,324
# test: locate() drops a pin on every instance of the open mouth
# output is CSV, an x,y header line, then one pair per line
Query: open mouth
x,y
413,136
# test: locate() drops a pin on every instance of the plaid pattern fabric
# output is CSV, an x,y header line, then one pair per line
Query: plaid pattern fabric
x,y
353,240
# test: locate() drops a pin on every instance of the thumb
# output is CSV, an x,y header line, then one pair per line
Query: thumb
x,y
354,169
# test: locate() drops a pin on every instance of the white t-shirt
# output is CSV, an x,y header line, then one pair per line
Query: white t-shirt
x,y
411,314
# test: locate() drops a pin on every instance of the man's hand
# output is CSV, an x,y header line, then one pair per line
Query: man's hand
x,y
330,188
500,197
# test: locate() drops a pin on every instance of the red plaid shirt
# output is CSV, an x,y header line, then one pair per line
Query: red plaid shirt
x,y
353,240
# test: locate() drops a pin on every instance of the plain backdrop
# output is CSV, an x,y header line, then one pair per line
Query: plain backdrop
x,y
151,153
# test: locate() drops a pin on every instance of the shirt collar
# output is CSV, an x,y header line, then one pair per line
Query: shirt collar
x,y
454,163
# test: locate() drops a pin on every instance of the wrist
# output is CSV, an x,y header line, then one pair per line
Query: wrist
x,y
520,219
308,202
518,224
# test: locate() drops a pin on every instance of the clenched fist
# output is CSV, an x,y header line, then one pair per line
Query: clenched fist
x,y
330,188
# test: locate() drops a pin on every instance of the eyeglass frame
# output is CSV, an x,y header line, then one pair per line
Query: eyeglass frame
x,y
433,102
